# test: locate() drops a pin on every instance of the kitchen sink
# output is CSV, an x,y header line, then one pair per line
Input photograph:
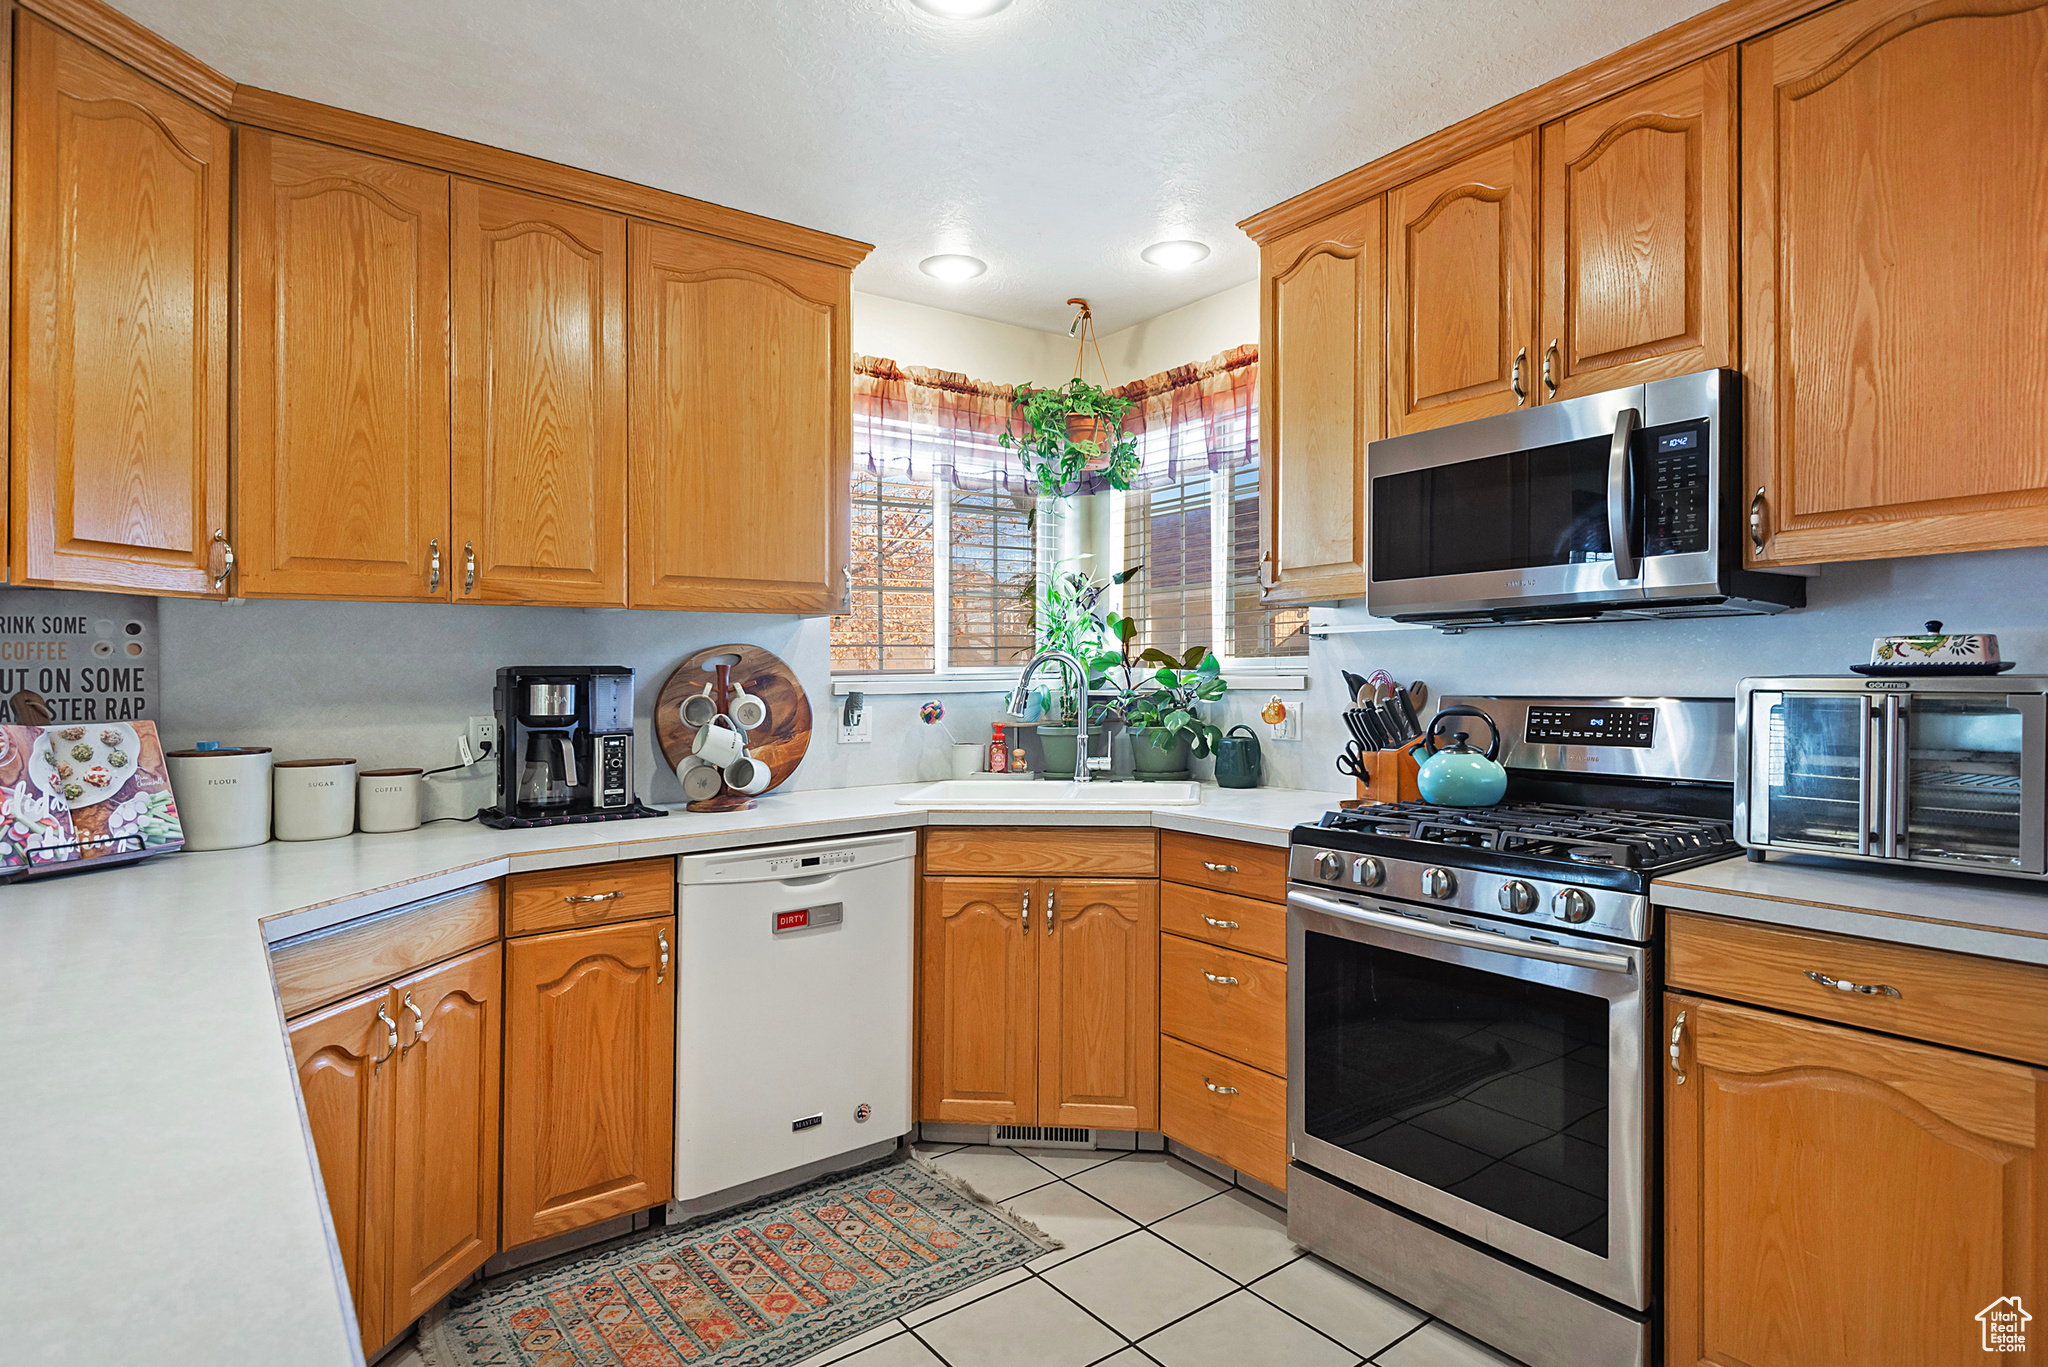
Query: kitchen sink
x,y
998,793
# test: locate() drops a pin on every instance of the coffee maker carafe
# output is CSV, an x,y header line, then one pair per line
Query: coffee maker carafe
x,y
566,743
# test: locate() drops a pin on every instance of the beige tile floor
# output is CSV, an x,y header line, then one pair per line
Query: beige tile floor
x,y
1164,1266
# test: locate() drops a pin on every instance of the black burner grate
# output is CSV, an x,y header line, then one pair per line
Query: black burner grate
x,y
1543,830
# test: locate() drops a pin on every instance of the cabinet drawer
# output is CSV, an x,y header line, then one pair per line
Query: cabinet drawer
x,y
589,895
1245,1127
1244,1016
327,965
1987,1005
1217,918
1078,851
1225,865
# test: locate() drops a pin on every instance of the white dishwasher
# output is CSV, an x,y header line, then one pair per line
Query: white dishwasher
x,y
794,967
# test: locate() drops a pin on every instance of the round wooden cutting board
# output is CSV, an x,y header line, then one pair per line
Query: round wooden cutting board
x,y
780,744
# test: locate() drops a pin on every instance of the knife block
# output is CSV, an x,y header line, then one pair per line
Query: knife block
x,y
1391,775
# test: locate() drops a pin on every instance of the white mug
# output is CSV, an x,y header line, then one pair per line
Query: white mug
x,y
967,758
388,800
700,778
313,799
719,742
699,708
748,712
747,775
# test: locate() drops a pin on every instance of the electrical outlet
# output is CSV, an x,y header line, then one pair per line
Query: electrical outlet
x,y
861,733
483,736
1288,727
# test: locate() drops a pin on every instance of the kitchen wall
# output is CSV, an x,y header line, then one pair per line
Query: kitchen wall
x,y
1194,332
979,348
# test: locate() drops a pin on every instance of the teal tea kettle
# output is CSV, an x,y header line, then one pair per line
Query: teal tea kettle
x,y
1237,759
1460,776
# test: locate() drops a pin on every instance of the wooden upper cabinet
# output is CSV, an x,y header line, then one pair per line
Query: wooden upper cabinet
x,y
120,378
343,1058
1323,373
1639,241
590,1035
1895,279
444,1197
1098,1013
341,459
539,443
978,1000
1461,290
1834,1196
742,426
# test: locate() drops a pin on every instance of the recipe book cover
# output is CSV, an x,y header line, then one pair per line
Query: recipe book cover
x,y
76,795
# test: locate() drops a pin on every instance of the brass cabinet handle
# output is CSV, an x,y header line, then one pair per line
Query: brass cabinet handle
x,y
1227,982
1756,519
469,567
227,558
1844,985
1026,922
1515,378
1677,1033
1220,1091
419,1021
612,896
434,565
661,938
391,1044
1220,925
1050,894
1219,868
1549,367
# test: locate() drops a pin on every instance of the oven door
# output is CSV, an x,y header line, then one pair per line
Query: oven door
x,y
1493,1080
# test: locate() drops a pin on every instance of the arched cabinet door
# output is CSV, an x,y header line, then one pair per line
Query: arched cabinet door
x,y
1639,234
589,1127
1322,377
1098,1013
742,426
1835,1195
341,449
1461,290
1895,279
120,387
978,1000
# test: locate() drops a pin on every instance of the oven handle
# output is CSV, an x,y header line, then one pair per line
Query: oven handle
x,y
1619,536
1469,939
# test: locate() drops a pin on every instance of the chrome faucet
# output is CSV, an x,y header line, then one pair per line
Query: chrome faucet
x,y
1020,698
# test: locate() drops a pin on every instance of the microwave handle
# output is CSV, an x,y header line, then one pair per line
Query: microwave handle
x,y
1618,530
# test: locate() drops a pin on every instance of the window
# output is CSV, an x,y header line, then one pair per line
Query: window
x,y
1176,598
890,626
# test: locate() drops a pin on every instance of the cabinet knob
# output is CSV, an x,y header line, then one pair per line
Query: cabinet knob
x,y
226,559
1220,1091
390,1043
434,565
1050,894
1756,519
1515,378
1677,1034
419,1021
661,939
1550,369
1220,925
1226,982
1025,924
468,567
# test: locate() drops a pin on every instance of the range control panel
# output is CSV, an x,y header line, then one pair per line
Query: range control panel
x,y
1675,489
1635,727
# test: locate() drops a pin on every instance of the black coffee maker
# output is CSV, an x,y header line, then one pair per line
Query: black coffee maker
x,y
565,745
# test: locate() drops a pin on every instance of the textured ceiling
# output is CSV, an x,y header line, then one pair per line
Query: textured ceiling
x,y
1054,139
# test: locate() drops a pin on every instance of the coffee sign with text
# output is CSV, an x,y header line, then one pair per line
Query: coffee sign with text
x,y
91,657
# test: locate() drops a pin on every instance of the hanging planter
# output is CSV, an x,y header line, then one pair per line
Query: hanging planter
x,y
1073,431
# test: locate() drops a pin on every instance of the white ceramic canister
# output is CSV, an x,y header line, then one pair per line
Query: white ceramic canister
x,y
313,799
223,796
388,800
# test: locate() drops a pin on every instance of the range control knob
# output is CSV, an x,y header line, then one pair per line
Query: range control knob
x,y
1573,905
1329,867
1367,871
1439,883
1517,898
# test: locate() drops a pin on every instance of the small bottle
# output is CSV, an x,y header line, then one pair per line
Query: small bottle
x,y
998,753
1019,760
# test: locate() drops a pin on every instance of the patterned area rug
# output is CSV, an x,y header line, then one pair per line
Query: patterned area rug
x,y
771,1283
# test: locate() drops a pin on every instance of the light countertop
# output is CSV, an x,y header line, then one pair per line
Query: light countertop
x,y
2002,918
162,1201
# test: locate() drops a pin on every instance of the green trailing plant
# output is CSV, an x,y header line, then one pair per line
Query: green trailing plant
x,y
1164,698
1068,620
1059,432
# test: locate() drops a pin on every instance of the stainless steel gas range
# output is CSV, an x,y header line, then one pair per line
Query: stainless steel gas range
x,y
1471,991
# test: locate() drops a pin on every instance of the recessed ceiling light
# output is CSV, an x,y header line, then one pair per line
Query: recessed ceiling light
x,y
1174,255
954,268
960,9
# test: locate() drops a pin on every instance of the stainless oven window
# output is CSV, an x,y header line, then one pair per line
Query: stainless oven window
x,y
1490,1088
1962,780
1809,759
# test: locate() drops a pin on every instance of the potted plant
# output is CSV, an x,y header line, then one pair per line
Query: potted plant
x,y
1067,620
1159,707
1065,433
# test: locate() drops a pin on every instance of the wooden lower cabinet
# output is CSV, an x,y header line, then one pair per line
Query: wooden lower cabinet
x,y
1838,1196
1228,1110
589,1120
1038,1002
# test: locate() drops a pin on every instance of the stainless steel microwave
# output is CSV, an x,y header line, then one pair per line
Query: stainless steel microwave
x,y
1943,772
1618,505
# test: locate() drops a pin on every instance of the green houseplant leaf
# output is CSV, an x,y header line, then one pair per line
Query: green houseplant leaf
x,y
1041,427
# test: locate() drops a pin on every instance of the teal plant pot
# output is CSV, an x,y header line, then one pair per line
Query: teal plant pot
x,y
1056,747
1159,754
